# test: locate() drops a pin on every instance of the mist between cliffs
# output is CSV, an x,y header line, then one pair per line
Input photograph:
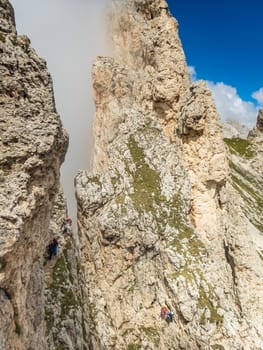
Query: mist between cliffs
x,y
68,34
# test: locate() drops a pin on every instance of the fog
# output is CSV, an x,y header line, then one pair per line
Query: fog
x,y
68,34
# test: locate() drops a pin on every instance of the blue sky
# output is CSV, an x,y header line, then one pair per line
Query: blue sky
x,y
222,41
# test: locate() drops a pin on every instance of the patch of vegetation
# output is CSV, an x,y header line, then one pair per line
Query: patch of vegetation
x,y
133,346
2,38
120,199
242,173
18,330
59,274
240,147
260,254
249,190
204,302
68,302
185,272
116,179
61,294
146,181
202,319
152,334
49,318
256,203
127,331
131,287
60,346
67,249
95,179
218,347
148,196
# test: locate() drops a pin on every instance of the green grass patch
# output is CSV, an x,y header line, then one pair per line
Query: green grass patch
x,y
218,347
146,181
49,318
185,272
148,197
18,330
2,38
147,194
133,346
95,180
240,147
152,334
253,199
204,302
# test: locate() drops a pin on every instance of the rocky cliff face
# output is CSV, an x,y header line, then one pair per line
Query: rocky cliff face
x,y
170,215
32,147
160,220
246,171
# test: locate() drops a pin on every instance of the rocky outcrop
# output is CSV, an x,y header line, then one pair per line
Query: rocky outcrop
x,y
160,220
32,147
63,296
163,218
233,129
246,170
258,129
260,120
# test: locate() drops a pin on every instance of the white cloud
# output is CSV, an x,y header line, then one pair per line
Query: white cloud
x,y
258,96
230,106
192,72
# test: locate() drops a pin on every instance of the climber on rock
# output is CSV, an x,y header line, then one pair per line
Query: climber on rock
x,y
50,249
65,226
167,314
55,246
164,311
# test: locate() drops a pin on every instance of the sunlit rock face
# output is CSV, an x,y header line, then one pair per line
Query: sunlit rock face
x,y
160,220
170,215
32,147
233,129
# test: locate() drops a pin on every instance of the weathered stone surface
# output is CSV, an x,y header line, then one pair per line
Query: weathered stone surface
x,y
32,147
162,218
63,296
159,220
233,129
257,131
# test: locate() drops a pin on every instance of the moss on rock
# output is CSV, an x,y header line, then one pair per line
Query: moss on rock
x,y
204,302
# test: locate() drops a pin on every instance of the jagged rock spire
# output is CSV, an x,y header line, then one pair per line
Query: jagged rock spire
x,y
259,124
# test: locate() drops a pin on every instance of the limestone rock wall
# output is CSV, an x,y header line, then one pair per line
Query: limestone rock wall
x,y
245,157
159,219
32,147
63,293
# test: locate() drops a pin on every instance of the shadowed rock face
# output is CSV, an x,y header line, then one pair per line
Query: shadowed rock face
x,y
159,220
32,147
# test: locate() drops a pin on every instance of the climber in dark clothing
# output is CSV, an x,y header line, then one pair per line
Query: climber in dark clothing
x,y
167,314
55,247
50,250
